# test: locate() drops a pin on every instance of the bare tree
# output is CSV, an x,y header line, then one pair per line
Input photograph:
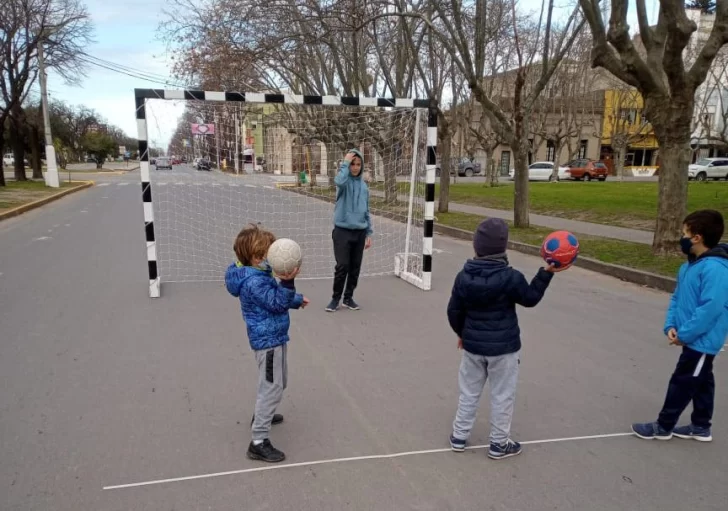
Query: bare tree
x,y
64,29
668,84
530,51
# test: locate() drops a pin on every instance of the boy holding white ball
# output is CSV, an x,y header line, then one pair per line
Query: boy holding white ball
x,y
265,304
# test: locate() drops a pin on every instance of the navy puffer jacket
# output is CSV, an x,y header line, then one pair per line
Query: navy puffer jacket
x,y
482,308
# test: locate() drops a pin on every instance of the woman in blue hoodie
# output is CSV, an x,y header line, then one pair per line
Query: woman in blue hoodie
x,y
352,229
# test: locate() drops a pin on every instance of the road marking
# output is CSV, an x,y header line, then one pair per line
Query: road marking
x,y
250,186
234,185
344,460
269,187
84,211
103,184
122,184
42,238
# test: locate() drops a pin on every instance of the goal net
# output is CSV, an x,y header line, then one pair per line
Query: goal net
x,y
271,160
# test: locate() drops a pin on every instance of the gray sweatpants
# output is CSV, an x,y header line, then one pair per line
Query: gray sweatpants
x,y
272,380
474,371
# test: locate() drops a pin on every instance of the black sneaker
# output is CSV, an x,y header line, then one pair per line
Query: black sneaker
x,y
265,452
277,419
506,450
333,306
349,303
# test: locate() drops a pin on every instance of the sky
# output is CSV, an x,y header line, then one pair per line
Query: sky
x,y
126,32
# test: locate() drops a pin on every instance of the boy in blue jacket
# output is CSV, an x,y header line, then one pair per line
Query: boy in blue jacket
x,y
352,229
697,320
482,312
265,305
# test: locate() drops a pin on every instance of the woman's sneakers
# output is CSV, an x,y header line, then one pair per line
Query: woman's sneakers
x,y
506,450
693,432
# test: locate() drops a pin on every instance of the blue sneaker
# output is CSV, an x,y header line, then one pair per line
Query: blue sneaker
x,y
506,450
650,430
456,444
693,432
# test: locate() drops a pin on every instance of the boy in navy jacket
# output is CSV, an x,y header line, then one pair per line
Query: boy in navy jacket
x,y
697,320
482,312
264,304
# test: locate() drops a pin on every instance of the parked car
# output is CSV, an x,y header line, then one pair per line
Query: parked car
x,y
8,160
203,164
465,167
709,168
543,171
164,163
587,170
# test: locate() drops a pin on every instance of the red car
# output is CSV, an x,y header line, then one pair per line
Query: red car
x,y
587,170
176,161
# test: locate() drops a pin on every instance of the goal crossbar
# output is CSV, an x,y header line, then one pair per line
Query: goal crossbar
x,y
423,282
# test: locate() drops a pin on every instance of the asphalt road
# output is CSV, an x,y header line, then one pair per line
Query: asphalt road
x,y
101,386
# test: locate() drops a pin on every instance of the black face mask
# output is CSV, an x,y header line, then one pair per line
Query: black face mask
x,y
686,245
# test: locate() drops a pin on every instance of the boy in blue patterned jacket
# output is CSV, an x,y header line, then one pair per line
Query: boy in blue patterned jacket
x,y
265,304
697,320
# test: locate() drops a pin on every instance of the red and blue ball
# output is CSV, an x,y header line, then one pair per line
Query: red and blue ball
x,y
560,248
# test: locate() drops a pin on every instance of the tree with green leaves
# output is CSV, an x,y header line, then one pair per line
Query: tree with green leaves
x,y
100,145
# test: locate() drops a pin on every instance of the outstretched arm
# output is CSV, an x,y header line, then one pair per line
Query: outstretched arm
x,y
527,294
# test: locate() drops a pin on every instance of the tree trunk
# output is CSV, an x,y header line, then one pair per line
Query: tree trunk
x,y
99,163
488,167
35,152
558,145
444,138
331,169
619,148
520,195
672,129
16,142
2,148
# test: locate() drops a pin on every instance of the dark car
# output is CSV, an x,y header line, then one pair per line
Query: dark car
x,y
204,165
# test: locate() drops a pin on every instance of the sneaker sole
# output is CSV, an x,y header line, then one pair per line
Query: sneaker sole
x,y
695,437
504,456
351,308
258,457
331,310
457,448
669,437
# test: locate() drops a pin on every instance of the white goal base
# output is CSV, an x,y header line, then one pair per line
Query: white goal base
x,y
404,261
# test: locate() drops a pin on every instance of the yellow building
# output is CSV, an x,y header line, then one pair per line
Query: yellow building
x,y
626,132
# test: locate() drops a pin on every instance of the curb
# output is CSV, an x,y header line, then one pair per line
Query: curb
x,y
45,200
624,273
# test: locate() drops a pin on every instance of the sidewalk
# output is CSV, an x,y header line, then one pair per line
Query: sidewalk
x,y
575,226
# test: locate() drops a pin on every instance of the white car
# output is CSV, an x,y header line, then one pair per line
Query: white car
x,y
543,171
9,160
164,162
709,168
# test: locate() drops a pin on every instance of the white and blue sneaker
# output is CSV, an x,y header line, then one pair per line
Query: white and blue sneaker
x,y
693,432
506,450
456,444
651,431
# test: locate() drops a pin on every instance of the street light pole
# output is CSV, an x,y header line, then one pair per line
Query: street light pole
x,y
51,175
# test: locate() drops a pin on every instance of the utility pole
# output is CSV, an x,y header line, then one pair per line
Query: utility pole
x,y
51,175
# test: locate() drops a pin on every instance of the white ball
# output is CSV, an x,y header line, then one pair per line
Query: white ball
x,y
284,256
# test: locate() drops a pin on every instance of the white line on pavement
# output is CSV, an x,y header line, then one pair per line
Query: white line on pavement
x,y
343,460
